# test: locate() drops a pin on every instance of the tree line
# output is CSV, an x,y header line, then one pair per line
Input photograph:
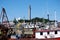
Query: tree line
x,y
33,20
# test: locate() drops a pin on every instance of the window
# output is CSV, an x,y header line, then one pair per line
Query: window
x,y
41,33
55,32
47,32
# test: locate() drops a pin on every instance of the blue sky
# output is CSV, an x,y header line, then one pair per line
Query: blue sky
x,y
39,8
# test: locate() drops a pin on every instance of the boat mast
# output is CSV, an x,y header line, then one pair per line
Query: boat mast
x,y
55,19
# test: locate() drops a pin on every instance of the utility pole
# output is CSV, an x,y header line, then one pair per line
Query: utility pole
x,y
48,16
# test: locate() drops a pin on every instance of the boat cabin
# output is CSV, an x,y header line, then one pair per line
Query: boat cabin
x,y
46,33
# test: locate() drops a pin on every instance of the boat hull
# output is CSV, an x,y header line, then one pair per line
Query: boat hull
x,y
36,39
49,39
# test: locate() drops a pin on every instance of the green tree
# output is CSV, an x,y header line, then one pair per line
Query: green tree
x,y
15,21
21,20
